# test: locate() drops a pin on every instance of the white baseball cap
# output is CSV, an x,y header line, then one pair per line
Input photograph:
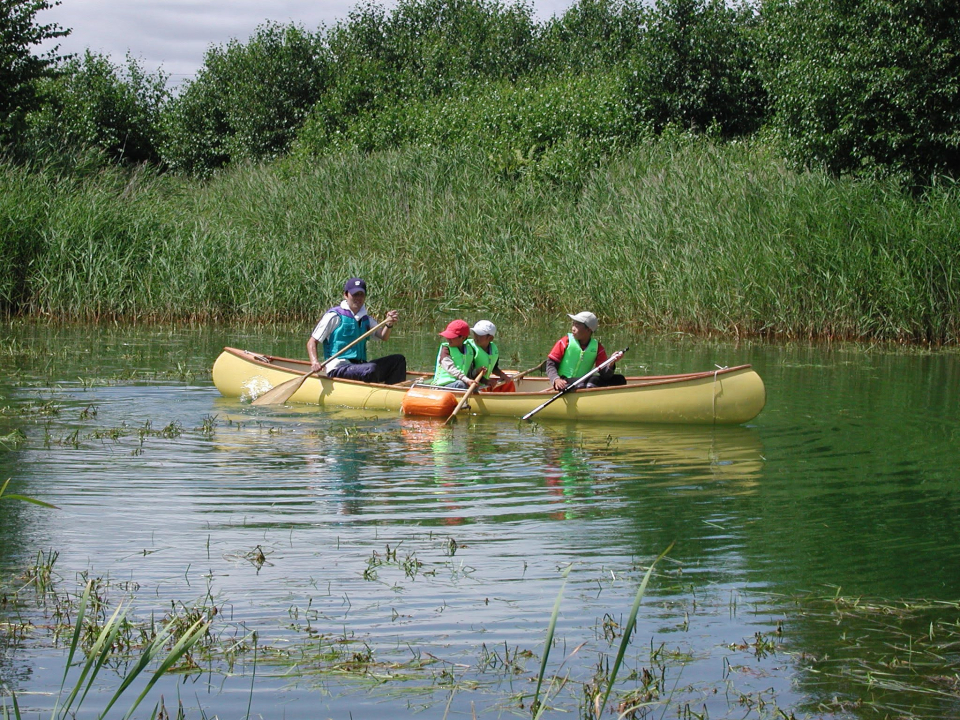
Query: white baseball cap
x,y
484,327
587,318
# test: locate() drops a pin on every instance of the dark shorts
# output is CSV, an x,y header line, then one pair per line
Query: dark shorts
x,y
390,370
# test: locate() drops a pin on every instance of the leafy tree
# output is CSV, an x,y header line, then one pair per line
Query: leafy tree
x,y
696,68
248,100
867,86
19,67
423,49
364,65
443,44
594,34
93,105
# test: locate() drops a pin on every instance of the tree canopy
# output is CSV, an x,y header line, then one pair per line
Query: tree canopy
x,y
867,86
20,67
860,87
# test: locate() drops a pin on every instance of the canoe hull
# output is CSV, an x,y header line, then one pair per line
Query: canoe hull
x,y
727,396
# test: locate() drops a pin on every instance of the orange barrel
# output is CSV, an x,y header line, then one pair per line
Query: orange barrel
x,y
429,402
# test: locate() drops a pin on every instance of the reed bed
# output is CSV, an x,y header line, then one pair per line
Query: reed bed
x,y
680,234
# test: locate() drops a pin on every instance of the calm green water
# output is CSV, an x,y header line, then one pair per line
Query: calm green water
x,y
389,566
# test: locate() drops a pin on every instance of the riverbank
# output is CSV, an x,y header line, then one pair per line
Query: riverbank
x,y
682,235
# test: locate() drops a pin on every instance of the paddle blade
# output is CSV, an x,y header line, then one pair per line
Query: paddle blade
x,y
466,396
282,392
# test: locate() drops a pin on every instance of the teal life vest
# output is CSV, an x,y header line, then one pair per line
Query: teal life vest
x,y
461,359
345,333
482,358
577,362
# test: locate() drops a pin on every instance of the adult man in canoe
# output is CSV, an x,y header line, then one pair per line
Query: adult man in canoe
x,y
343,324
577,353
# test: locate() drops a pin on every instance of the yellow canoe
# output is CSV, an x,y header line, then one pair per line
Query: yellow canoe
x,y
727,396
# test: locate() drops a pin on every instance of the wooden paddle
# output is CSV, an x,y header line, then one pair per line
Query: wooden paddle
x,y
466,396
516,376
612,359
285,390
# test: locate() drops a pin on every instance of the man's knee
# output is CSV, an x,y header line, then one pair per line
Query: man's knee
x,y
392,369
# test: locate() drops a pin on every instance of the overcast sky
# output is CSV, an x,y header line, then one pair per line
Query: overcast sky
x,y
175,34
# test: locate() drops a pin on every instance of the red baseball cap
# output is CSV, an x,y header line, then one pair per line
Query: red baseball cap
x,y
457,328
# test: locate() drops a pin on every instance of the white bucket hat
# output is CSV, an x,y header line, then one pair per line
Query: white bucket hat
x,y
587,318
484,327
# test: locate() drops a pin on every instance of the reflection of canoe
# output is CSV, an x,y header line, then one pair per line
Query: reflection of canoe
x,y
727,396
675,455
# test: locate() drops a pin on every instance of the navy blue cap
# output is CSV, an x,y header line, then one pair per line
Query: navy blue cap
x,y
354,285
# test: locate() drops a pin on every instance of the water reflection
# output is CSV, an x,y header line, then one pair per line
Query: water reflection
x,y
484,469
848,479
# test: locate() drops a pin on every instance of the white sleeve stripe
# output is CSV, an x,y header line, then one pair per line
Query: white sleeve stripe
x,y
328,323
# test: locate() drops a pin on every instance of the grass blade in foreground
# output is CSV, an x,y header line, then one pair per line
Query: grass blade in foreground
x,y
151,652
74,642
100,652
16,708
23,498
628,631
537,708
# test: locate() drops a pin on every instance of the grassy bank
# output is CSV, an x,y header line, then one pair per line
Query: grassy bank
x,y
674,235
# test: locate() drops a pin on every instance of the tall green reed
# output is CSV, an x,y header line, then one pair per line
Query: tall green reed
x,y
679,234
102,649
538,707
628,629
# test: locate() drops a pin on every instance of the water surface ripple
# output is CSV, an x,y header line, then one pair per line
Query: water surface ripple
x,y
441,551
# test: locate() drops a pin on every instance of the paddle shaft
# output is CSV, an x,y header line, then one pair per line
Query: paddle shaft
x,y
466,395
273,397
517,376
612,359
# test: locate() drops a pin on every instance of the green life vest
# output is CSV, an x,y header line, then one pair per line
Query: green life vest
x,y
577,362
482,358
461,359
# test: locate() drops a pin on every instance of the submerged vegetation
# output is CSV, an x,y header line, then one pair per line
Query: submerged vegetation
x,y
911,678
781,168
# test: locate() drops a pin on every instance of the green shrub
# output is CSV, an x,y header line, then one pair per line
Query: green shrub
x,y
593,35
92,105
248,100
559,129
20,67
421,50
867,87
697,68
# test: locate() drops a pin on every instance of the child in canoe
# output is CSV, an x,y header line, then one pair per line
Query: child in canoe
x,y
486,354
455,358
577,353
